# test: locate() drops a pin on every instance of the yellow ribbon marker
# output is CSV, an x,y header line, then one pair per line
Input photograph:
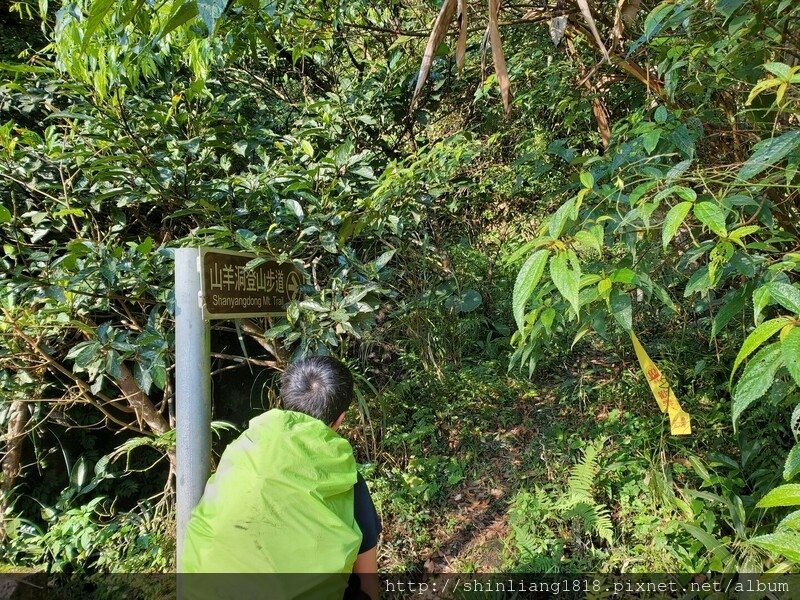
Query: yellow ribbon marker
x,y
680,422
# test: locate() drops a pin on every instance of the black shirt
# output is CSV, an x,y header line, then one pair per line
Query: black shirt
x,y
366,516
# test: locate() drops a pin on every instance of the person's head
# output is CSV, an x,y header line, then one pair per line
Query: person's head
x,y
319,386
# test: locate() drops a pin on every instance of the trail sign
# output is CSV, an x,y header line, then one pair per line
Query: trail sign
x,y
230,290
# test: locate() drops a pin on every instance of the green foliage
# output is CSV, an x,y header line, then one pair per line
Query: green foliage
x,y
580,499
535,516
285,131
680,220
147,127
783,495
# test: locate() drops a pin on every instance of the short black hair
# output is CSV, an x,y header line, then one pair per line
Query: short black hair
x,y
319,386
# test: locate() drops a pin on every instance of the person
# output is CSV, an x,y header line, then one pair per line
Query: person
x,y
287,498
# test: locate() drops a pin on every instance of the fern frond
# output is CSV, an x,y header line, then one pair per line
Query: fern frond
x,y
582,474
594,518
603,526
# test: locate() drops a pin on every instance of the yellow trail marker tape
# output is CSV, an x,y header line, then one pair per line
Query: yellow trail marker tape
x,y
680,422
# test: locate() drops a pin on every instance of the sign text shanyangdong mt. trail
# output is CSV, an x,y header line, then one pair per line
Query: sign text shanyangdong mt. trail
x,y
231,290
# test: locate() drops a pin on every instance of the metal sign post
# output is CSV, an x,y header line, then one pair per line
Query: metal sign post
x,y
212,284
192,387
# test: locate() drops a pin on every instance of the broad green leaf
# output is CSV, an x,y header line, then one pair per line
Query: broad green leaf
x,y
757,377
589,279
131,12
79,475
145,246
782,70
114,364
783,495
653,21
790,521
307,148
660,293
760,300
296,208
727,7
712,544
578,336
768,153
210,11
24,68
786,295
623,275
599,233
757,337
527,280
566,280
186,12
143,377
604,288
586,238
673,221
314,306
683,192
760,87
470,300
792,465
737,234
84,353
97,12
5,214
790,349
587,180
678,170
661,114
525,249
699,468
785,543
547,317
383,259
712,216
650,140
159,376
560,218
684,140
620,303
640,190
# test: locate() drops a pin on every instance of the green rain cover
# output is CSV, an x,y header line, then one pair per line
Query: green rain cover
x,y
281,501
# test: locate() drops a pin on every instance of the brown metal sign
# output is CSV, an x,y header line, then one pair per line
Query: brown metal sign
x,y
232,291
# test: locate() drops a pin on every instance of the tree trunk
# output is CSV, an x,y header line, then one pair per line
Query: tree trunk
x,y
17,419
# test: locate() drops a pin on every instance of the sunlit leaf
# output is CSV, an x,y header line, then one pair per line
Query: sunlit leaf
x,y
783,495
673,221
712,216
768,153
757,377
786,295
97,12
790,349
567,280
757,337
527,280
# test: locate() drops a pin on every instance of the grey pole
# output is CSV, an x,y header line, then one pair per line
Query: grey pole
x,y
192,388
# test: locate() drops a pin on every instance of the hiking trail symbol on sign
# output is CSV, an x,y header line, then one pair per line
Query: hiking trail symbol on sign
x,y
231,291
